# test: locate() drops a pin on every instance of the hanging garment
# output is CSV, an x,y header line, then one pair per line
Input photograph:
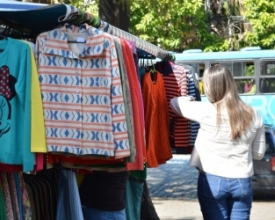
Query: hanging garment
x,y
14,197
24,122
133,197
38,134
2,204
69,205
82,94
7,196
148,211
156,120
136,97
15,103
42,197
104,191
175,81
25,200
194,126
127,100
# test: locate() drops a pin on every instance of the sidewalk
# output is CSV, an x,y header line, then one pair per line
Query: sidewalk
x,y
173,191
190,210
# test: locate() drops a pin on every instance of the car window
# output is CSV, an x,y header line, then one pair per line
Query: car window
x,y
269,147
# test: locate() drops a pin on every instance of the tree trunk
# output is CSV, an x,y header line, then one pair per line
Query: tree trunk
x,y
115,12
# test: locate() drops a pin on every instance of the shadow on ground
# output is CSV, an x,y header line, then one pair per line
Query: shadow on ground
x,y
264,198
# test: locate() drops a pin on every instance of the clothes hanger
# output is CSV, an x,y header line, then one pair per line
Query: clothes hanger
x,y
153,72
2,34
78,39
2,37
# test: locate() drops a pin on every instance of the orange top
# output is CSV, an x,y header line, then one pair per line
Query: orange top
x,y
156,120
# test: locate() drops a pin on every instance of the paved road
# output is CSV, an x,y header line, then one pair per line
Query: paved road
x,y
173,190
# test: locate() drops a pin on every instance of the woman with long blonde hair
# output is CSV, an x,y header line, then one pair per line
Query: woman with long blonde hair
x,y
231,135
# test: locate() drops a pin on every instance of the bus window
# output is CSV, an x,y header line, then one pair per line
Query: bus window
x,y
200,73
268,68
267,77
243,73
267,85
238,68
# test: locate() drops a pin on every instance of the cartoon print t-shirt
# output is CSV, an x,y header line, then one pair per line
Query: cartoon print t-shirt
x,y
15,104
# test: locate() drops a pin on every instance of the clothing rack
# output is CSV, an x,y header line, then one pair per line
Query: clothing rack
x,y
77,16
140,43
56,15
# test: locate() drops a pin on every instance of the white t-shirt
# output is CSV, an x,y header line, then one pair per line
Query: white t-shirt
x,y
214,151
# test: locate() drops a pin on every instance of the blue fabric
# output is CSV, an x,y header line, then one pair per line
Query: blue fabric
x,y
69,205
18,190
95,214
141,73
224,198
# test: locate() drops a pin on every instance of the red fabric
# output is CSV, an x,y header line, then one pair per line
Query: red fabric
x,y
51,158
136,98
158,147
39,161
18,168
10,168
4,82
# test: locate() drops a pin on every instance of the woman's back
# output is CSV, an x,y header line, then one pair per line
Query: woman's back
x,y
231,135
219,153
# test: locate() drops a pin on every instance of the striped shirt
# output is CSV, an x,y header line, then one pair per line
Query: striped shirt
x,y
175,86
82,93
194,126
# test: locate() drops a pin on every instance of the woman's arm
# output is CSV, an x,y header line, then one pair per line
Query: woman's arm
x,y
258,144
186,106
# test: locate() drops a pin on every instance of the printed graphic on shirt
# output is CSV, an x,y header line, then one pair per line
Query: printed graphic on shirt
x,y
7,92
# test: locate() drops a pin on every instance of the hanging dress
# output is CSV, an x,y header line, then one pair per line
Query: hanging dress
x,y
156,120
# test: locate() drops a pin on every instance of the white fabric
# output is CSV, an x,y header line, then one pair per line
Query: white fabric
x,y
214,150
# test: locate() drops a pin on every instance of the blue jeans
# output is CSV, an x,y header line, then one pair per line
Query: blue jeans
x,y
95,214
224,198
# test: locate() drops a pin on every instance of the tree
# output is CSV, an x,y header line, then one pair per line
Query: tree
x,y
261,15
115,12
175,25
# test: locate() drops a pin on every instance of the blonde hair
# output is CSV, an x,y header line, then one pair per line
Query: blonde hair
x,y
220,89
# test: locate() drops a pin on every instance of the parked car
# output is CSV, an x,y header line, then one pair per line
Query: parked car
x,y
263,181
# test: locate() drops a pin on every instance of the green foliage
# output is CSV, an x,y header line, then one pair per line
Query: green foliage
x,y
90,6
261,15
174,25
249,70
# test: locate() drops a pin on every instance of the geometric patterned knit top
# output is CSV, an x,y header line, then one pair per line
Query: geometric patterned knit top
x,y
81,93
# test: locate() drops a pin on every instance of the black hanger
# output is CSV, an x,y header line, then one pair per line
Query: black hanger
x,y
153,72
2,37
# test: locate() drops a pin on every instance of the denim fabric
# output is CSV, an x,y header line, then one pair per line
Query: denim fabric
x,y
95,214
224,198
68,203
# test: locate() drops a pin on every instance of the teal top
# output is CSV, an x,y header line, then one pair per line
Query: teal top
x,y
15,104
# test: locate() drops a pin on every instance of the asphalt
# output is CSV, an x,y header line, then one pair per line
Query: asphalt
x,y
172,187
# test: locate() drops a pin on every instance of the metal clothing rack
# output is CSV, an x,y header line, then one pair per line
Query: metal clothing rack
x,y
25,14
75,15
140,43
